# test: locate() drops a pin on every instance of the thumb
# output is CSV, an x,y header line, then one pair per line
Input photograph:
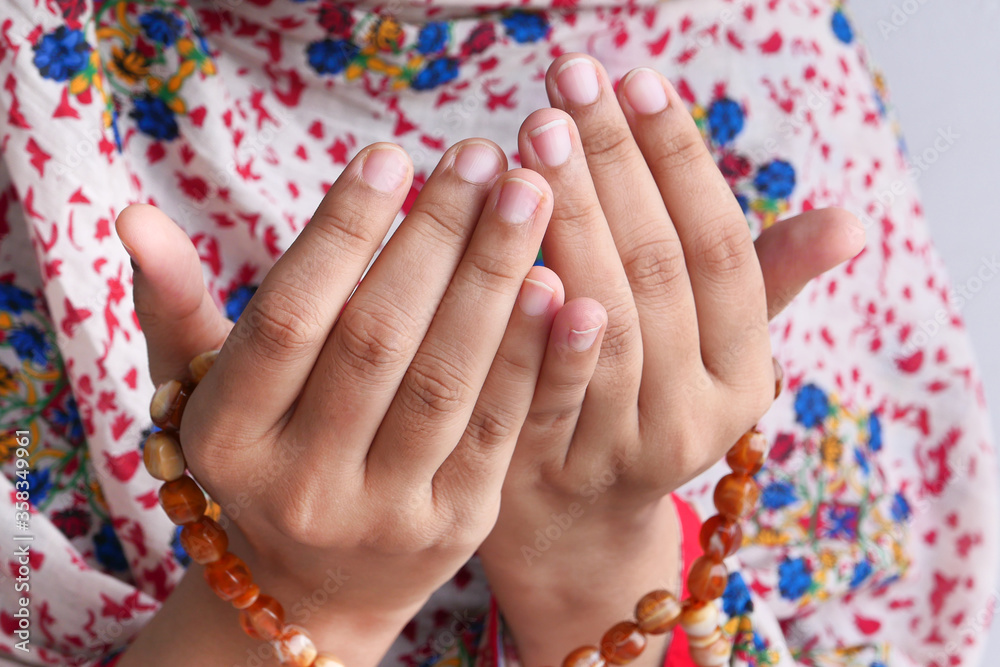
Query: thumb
x,y
175,310
794,251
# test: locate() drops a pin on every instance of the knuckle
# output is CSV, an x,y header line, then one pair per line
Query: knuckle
x,y
620,337
491,273
489,429
434,388
680,152
724,251
372,342
655,263
282,324
555,420
345,229
606,144
446,221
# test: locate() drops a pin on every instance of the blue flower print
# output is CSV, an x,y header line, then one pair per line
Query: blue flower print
x,y
794,578
179,552
161,26
874,433
744,202
775,179
842,27
862,571
811,406
60,54
108,549
238,299
841,521
432,37
736,600
69,418
526,27
14,300
777,495
39,485
155,118
861,458
30,343
900,508
331,56
725,120
436,73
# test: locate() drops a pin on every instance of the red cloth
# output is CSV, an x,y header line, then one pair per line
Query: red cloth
x,y
678,654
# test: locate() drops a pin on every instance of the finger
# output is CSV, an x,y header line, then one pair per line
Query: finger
x,y
177,315
478,465
274,344
580,247
794,251
644,235
722,265
378,333
570,361
432,408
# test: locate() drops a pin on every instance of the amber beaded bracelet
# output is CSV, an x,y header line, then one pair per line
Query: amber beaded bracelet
x,y
262,617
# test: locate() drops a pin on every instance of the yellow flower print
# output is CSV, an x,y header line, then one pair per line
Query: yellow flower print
x,y
827,559
8,384
831,450
8,443
386,34
769,537
130,66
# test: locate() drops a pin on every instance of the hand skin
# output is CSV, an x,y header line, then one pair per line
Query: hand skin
x,y
645,224
443,353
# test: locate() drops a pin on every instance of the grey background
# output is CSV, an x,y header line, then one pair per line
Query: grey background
x,y
943,69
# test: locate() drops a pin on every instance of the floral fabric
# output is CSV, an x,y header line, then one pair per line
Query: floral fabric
x,y
875,544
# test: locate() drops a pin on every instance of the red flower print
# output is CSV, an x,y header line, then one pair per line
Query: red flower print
x,y
336,20
72,522
480,39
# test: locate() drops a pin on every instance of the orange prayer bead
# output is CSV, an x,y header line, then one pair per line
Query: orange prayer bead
x,y
736,496
714,654
327,660
248,598
707,579
204,540
720,537
699,619
584,656
162,405
747,456
264,619
623,643
229,577
657,612
182,500
779,377
201,364
163,457
294,647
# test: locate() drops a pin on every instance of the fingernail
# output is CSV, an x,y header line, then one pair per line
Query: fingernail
x,y
131,253
385,169
518,201
477,163
577,81
551,142
535,297
580,341
644,92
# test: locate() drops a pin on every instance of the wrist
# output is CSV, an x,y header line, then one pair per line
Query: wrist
x,y
565,592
